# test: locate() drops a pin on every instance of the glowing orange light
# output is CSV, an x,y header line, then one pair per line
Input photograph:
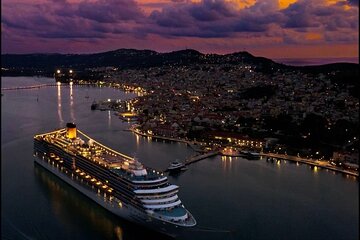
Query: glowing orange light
x,y
285,3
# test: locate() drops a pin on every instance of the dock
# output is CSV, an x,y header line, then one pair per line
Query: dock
x,y
199,157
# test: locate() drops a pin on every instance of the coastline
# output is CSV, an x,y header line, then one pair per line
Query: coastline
x,y
316,163
320,164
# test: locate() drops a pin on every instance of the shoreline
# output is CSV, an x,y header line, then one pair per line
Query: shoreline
x,y
191,144
315,163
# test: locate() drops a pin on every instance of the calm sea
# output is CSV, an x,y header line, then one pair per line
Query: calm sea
x,y
231,198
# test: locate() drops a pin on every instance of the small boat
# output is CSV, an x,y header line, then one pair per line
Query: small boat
x,y
175,166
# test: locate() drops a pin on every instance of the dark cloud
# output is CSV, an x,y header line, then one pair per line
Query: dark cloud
x,y
181,18
109,11
219,19
211,10
171,18
299,16
353,2
209,19
60,19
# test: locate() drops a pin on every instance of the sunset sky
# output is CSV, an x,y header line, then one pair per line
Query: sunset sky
x,y
269,28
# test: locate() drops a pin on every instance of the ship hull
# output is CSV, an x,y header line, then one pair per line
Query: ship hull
x,y
126,212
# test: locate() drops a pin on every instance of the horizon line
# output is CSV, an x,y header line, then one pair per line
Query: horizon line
x,y
294,61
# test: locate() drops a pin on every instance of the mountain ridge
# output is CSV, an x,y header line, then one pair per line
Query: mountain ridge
x,y
132,58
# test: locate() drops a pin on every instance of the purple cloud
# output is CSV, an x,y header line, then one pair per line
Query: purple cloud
x,y
353,2
211,10
176,19
109,11
299,16
211,19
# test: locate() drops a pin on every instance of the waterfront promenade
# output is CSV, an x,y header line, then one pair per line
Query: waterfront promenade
x,y
198,157
136,131
317,163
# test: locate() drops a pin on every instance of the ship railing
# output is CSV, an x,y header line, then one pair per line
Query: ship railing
x,y
107,148
49,133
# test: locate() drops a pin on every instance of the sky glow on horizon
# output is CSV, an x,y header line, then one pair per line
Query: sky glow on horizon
x,y
269,28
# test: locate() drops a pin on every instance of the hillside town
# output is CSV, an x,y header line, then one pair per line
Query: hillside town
x,y
287,112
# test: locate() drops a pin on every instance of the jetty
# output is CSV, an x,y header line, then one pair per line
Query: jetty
x,y
199,157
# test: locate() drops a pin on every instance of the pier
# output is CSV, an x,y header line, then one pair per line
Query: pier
x,y
188,161
199,157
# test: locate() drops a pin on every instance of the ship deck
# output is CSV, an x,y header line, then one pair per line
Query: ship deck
x,y
152,175
175,212
101,154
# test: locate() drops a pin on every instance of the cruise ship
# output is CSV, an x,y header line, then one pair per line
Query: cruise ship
x,y
117,182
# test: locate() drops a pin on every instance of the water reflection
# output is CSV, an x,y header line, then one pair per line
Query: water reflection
x,y
61,121
349,177
137,140
118,233
226,163
72,103
109,119
71,208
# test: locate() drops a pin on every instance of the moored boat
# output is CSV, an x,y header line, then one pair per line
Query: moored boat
x,y
176,166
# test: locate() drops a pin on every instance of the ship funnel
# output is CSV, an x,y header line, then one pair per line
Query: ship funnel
x,y
71,130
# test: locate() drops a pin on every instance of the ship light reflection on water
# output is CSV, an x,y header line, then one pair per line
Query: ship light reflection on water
x,y
72,103
137,140
64,201
118,233
59,110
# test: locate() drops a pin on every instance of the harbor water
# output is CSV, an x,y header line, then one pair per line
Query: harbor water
x,y
231,198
